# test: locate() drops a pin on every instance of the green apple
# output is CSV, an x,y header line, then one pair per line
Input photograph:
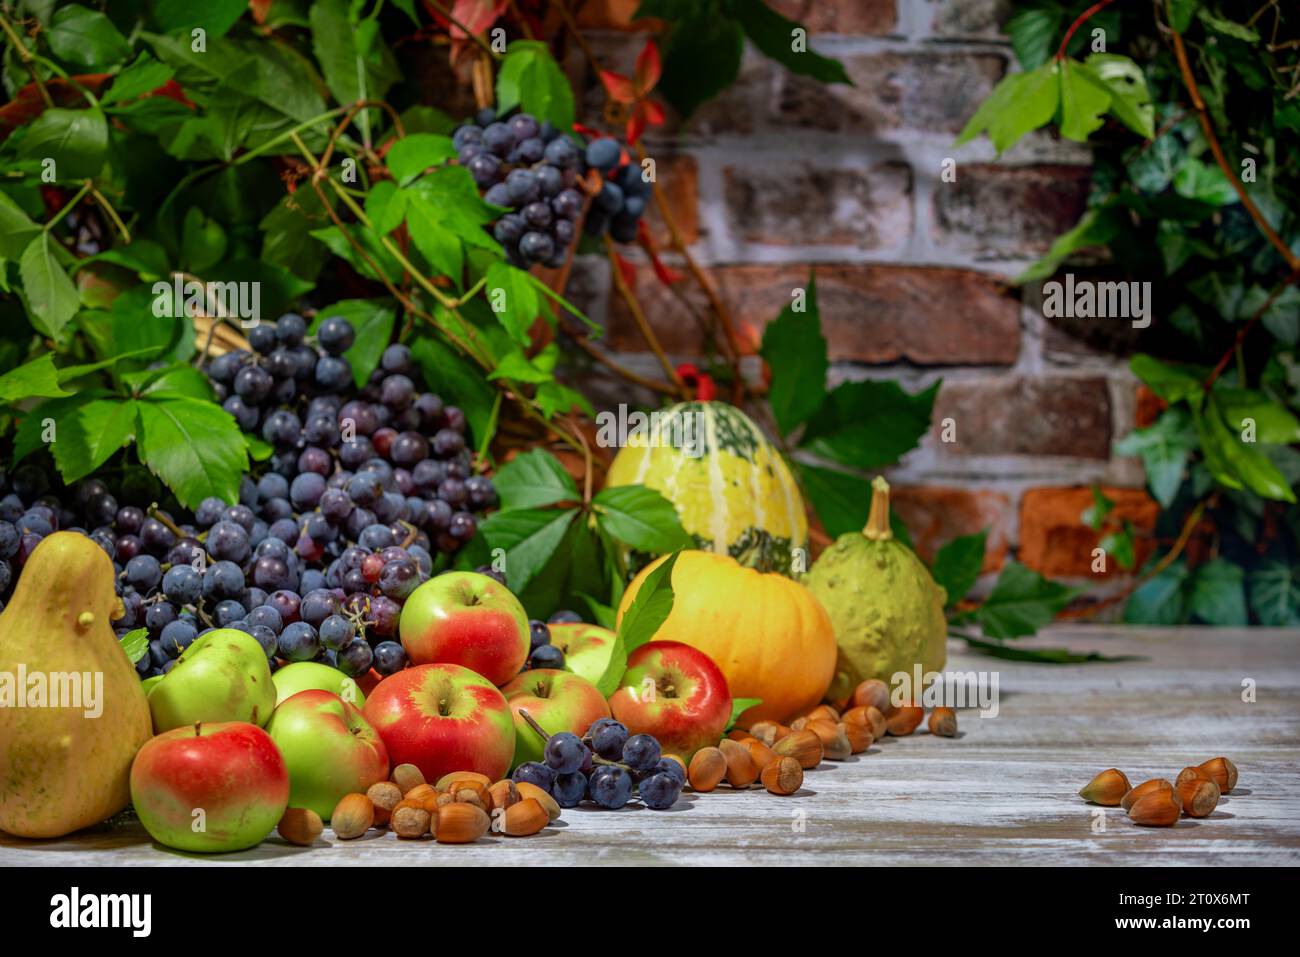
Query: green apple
x,y
222,677
556,700
312,675
329,748
587,648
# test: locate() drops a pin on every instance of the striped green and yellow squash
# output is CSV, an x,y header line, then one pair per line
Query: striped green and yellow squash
x,y
732,489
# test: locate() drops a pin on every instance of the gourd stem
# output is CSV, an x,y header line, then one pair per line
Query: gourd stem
x,y
877,528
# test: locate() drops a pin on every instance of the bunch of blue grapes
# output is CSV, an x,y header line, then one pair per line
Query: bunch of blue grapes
x,y
366,492
531,170
608,767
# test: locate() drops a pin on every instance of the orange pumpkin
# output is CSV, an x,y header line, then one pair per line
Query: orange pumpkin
x,y
768,634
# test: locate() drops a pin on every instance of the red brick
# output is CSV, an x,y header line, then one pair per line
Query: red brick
x,y
1050,415
804,203
1149,407
1008,211
679,182
1054,541
870,313
935,91
850,17
935,515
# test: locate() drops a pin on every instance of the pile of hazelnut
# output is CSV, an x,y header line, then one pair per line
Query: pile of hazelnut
x,y
776,755
1160,802
459,809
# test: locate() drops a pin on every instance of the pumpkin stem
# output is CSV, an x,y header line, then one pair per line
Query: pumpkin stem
x,y
877,528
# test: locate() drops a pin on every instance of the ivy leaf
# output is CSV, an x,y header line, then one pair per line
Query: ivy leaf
x,y
373,320
1083,98
1163,447
641,518
1019,104
1130,98
532,480
1272,422
1021,603
1205,183
1171,383
77,141
413,154
1232,462
135,644
869,424
1119,546
531,79
649,610
772,33
1219,594
958,564
529,537
1161,599
87,40
52,299
1094,516
1275,595
36,379
194,446
1096,227
795,350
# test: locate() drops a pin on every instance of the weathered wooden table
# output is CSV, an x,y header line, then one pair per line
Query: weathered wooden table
x,y
1003,793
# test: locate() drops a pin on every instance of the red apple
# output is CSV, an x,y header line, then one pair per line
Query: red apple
x,y
464,618
329,748
676,693
443,718
558,701
210,787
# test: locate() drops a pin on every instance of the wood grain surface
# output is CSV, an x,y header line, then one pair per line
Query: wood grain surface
x,y
1002,793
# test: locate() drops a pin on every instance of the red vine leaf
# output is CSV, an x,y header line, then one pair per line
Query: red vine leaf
x,y
27,104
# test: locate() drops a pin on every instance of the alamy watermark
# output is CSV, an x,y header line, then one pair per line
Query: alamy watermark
x,y
77,910
82,690
1085,299
187,298
679,429
948,689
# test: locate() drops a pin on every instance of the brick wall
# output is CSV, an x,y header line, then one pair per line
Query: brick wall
x,y
781,175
